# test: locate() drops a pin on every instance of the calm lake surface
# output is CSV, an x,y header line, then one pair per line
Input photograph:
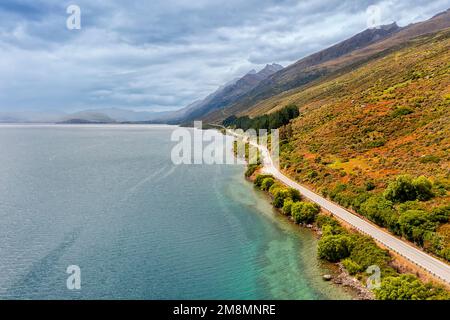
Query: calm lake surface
x,y
109,199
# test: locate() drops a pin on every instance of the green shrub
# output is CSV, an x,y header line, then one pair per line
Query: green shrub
x,y
279,197
401,189
433,242
323,220
251,170
430,158
267,183
441,187
365,253
273,189
393,224
334,247
423,188
404,287
266,121
378,210
410,205
405,188
414,224
294,194
287,206
401,111
304,212
312,174
345,199
409,287
329,230
376,143
260,178
340,187
445,253
359,199
369,185
440,214
351,266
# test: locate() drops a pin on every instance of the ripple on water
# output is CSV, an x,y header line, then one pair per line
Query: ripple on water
x,y
109,200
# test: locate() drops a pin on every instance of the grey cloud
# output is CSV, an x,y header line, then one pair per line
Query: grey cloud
x,y
165,54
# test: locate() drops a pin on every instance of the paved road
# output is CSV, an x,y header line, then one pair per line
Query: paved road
x,y
436,267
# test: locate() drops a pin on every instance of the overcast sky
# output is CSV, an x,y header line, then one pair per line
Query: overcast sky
x,y
164,54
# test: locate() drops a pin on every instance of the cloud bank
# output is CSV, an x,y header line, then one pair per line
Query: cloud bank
x,y
162,55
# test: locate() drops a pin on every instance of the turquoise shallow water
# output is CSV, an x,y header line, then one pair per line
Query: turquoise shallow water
x,y
108,199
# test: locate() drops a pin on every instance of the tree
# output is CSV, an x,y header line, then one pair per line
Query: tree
x,y
404,287
334,247
365,252
405,188
378,210
294,194
279,197
440,214
287,206
446,253
267,183
273,189
351,266
304,212
423,188
260,178
414,224
401,190
267,121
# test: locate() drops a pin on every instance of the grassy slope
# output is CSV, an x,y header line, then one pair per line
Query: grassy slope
x,y
350,131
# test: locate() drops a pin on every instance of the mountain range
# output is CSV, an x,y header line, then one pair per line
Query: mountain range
x,y
225,95
339,58
107,115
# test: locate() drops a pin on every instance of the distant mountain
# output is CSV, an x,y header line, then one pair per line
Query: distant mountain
x,y
224,96
122,115
30,116
349,53
108,115
86,117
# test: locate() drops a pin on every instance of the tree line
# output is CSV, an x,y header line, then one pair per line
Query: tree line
x,y
273,120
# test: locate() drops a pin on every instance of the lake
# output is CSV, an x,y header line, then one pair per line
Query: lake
x,y
108,199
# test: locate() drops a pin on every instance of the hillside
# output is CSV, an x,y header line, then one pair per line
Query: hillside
x,y
360,130
224,96
337,59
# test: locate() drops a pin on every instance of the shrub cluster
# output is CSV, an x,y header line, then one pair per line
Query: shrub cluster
x,y
304,212
399,208
408,287
358,252
288,200
405,188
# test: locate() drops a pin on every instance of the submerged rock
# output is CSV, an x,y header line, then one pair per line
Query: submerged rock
x,y
327,277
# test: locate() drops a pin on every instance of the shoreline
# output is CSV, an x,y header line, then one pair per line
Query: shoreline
x,y
340,276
